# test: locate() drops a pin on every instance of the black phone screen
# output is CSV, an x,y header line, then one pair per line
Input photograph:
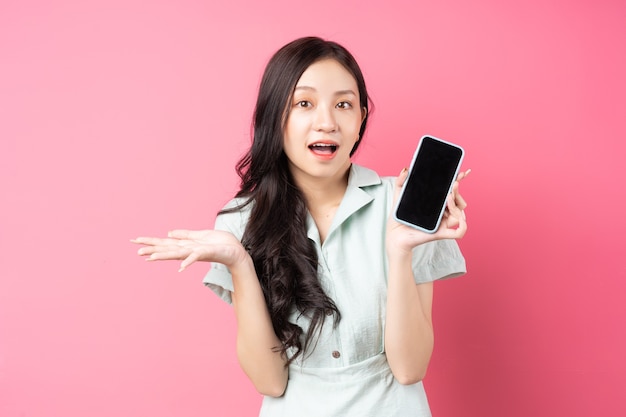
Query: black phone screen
x,y
432,173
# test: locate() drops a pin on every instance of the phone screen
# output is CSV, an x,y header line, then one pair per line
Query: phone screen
x,y
433,171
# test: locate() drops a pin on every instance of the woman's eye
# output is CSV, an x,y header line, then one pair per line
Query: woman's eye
x,y
344,105
303,103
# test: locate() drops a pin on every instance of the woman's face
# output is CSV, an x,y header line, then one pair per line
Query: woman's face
x,y
323,123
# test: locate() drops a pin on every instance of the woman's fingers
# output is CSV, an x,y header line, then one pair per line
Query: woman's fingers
x,y
162,247
456,233
458,198
187,234
193,257
463,174
155,241
399,183
146,240
400,179
453,224
456,224
179,234
172,237
166,253
460,201
191,246
452,211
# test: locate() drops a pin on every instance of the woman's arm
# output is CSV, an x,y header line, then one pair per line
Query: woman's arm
x,y
409,337
256,339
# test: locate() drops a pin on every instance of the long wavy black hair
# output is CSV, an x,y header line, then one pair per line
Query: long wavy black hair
x,y
276,234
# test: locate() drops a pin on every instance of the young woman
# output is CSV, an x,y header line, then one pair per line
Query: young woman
x,y
333,298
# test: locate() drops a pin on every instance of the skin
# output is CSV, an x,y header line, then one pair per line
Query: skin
x,y
324,111
409,337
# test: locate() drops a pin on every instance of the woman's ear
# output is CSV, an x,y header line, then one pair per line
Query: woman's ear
x,y
363,114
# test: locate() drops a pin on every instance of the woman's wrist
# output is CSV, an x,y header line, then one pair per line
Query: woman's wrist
x,y
243,265
398,254
396,248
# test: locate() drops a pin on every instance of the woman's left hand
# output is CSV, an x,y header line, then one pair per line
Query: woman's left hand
x,y
191,246
453,224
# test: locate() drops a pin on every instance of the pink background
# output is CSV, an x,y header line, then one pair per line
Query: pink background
x,y
125,118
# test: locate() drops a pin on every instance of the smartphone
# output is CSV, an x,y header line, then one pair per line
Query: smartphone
x,y
433,171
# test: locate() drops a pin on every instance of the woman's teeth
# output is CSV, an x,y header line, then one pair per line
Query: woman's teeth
x,y
323,147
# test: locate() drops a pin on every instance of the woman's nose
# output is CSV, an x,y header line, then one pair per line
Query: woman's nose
x,y
325,119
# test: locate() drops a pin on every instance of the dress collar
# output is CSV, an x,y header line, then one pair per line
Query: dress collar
x,y
353,200
362,177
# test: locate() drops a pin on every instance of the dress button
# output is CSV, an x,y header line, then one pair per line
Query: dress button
x,y
336,354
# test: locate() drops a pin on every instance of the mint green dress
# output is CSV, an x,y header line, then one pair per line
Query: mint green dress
x,y
347,373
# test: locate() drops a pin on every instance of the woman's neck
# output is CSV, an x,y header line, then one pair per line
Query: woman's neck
x,y
323,191
323,197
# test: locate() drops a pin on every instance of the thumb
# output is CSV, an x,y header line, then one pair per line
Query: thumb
x,y
400,182
193,257
402,177
186,234
179,234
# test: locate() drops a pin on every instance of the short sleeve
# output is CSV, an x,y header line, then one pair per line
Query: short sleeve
x,y
437,260
219,279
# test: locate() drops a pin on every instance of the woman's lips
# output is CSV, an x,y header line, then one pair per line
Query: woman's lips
x,y
323,150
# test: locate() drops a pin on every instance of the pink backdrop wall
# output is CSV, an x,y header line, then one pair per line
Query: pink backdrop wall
x,y
125,118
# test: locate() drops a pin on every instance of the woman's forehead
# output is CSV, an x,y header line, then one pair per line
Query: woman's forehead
x,y
327,74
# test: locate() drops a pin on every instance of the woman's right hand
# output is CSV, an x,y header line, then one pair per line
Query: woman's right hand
x,y
401,238
194,245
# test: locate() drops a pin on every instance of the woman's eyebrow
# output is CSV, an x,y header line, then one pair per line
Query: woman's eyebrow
x,y
344,92
337,93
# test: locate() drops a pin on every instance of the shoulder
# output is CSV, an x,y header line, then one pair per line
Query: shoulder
x,y
234,216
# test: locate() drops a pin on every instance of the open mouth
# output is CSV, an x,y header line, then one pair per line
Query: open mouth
x,y
323,148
